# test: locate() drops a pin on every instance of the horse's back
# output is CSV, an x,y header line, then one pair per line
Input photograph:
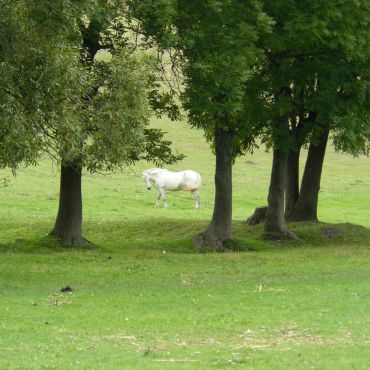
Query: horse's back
x,y
175,180
191,179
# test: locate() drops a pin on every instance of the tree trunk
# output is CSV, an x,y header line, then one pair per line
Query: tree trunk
x,y
258,216
275,226
292,180
217,236
69,219
306,207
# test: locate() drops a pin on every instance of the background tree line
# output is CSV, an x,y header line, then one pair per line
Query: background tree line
x,y
290,74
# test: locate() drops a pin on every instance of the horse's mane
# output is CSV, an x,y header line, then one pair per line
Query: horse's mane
x,y
153,171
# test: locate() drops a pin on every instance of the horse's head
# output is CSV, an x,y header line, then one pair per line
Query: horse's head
x,y
151,175
146,177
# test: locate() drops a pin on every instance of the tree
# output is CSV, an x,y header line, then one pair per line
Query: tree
x,y
88,113
214,42
269,105
314,80
305,206
338,94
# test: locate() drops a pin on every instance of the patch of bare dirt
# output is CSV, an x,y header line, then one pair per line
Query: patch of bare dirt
x,y
331,232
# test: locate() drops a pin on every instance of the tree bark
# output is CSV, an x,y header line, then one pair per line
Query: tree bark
x,y
305,208
218,236
68,223
275,226
292,180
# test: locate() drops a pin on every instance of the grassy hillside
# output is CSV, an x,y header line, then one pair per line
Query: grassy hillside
x,y
144,299
32,196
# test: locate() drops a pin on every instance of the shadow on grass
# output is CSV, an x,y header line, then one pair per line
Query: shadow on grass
x,y
176,236
43,244
313,234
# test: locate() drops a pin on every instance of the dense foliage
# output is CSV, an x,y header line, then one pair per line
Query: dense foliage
x,y
315,72
39,74
214,44
57,97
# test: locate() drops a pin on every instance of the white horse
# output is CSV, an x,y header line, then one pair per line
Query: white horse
x,y
167,180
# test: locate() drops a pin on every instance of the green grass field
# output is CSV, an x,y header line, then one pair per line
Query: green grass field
x,y
145,299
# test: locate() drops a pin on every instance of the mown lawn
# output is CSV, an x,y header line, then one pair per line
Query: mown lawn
x,y
144,298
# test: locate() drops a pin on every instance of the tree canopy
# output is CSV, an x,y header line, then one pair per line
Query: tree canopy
x,y
318,53
56,96
312,81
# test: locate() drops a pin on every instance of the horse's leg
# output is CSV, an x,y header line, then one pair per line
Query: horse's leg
x,y
196,195
163,194
158,199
